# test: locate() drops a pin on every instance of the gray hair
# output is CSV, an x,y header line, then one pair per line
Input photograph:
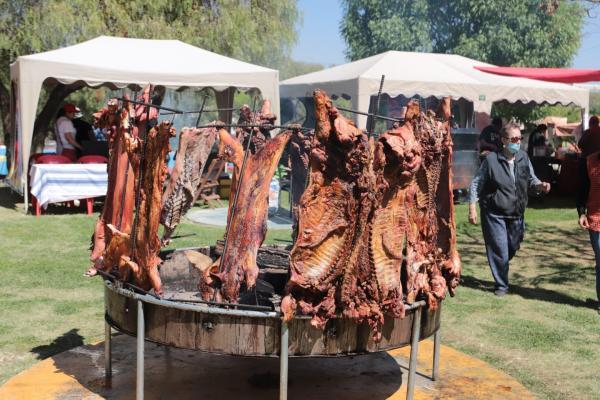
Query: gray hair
x,y
511,126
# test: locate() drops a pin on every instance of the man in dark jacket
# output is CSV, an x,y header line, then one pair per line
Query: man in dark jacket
x,y
501,184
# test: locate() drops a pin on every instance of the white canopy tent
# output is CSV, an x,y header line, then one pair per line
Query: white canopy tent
x,y
119,62
427,74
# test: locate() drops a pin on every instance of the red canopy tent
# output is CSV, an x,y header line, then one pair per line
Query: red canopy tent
x,y
564,75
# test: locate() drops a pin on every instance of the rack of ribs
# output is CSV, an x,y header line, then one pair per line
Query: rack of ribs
x,y
183,187
329,261
433,264
396,162
247,223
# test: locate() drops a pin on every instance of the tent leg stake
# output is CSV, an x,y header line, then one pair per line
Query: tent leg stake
x,y
107,353
283,362
139,379
435,371
414,347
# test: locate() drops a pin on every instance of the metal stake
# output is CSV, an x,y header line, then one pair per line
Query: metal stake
x,y
283,362
139,380
414,347
371,124
437,339
107,353
201,110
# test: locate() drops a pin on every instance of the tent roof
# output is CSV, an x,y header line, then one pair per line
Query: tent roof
x,y
125,61
429,74
121,62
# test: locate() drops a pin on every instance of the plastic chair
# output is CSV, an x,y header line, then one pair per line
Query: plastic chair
x,y
91,159
45,159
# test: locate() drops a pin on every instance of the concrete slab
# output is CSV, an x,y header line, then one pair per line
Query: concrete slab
x,y
183,374
218,217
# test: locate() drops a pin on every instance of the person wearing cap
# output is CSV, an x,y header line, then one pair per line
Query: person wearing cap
x,y
84,132
66,144
501,185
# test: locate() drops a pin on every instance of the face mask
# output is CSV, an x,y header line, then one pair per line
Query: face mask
x,y
513,147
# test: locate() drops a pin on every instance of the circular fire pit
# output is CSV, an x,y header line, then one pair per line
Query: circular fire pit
x,y
181,319
247,331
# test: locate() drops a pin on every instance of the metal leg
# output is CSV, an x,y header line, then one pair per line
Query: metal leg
x,y
139,381
437,339
107,352
283,362
414,347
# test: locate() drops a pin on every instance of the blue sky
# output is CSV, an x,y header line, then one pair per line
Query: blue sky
x,y
319,40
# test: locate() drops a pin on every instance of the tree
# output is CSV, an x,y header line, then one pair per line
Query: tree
x,y
257,31
371,27
534,33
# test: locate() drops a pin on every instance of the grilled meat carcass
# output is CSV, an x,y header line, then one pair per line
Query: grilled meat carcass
x,y
265,118
119,201
247,223
329,266
396,162
432,259
152,171
184,184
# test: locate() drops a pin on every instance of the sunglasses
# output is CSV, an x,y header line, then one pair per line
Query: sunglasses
x,y
515,139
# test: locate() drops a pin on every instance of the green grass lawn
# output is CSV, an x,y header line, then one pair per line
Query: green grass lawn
x,y
545,333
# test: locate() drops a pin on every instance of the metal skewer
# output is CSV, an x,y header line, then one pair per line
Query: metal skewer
x,y
370,114
376,111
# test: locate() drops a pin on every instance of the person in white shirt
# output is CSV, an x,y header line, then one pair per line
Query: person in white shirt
x,y
65,134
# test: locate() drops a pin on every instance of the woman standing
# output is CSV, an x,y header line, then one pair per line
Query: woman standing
x,y
501,185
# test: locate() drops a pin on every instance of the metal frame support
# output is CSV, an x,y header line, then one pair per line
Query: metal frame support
x,y
435,371
139,381
283,361
107,353
414,348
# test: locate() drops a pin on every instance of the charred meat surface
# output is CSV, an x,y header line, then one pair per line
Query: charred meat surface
x,y
327,263
376,223
184,184
260,134
247,223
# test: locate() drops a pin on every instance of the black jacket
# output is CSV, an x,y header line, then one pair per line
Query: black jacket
x,y
500,194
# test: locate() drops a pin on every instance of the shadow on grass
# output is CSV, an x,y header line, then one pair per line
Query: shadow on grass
x,y
62,343
10,199
527,293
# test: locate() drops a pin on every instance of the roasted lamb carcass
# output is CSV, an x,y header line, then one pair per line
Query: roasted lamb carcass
x,y
247,223
184,184
396,162
329,264
433,263
142,262
119,201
